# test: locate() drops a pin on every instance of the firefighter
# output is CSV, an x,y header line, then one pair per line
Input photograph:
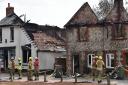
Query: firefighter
x,y
30,69
94,70
11,68
36,68
20,68
100,67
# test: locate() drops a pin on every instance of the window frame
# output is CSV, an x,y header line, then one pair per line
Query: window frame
x,y
109,61
0,35
11,34
118,31
89,63
12,53
85,29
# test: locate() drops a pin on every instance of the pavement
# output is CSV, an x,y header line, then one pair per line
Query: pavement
x,y
4,77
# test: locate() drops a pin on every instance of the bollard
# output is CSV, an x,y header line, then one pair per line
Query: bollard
x,y
75,77
61,77
45,80
108,79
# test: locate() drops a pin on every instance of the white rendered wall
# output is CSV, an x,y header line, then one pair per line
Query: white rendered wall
x,y
20,39
47,59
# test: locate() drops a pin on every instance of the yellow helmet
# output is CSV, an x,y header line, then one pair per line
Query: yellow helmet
x,y
96,56
12,58
19,59
30,58
100,57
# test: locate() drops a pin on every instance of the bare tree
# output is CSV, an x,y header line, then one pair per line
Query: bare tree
x,y
103,8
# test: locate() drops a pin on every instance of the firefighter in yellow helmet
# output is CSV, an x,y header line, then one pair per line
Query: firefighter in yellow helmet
x,y
11,68
94,70
30,69
100,66
19,68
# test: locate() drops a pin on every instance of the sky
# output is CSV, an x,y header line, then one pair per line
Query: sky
x,y
50,12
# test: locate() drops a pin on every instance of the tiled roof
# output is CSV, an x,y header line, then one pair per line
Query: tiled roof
x,y
44,36
85,15
47,38
118,13
46,42
12,19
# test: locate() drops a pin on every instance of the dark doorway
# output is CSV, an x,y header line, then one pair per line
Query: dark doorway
x,y
6,53
76,65
5,59
62,62
26,54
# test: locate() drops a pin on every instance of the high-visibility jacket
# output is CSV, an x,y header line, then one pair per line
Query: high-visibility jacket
x,y
100,64
19,65
30,65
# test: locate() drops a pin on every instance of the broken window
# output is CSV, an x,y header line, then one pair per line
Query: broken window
x,y
12,53
26,54
118,31
83,34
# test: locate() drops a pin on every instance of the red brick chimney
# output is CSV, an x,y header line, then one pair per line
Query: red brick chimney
x,y
9,10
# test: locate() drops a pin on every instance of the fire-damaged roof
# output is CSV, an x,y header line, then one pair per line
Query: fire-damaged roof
x,y
12,19
118,13
46,37
84,15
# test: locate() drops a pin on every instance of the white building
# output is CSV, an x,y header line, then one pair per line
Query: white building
x,y
20,39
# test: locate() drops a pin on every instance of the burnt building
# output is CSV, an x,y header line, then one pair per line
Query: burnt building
x,y
23,39
88,36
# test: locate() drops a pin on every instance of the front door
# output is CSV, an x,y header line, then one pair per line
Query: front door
x,y
76,65
62,62
5,59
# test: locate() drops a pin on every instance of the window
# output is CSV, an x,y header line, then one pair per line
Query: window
x,y
1,58
118,31
89,59
1,53
110,60
12,53
0,35
12,34
83,34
